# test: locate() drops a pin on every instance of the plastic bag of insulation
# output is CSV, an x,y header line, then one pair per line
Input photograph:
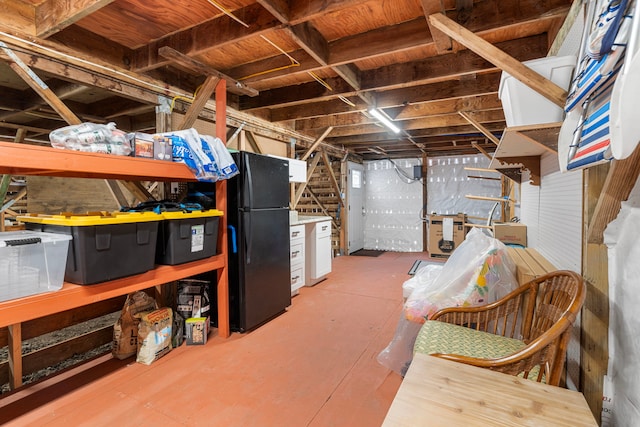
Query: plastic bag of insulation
x,y
226,166
93,138
188,149
477,273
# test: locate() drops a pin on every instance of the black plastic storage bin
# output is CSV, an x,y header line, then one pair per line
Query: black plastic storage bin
x,y
187,236
104,246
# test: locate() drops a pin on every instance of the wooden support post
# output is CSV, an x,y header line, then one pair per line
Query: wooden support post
x,y
15,355
21,133
221,193
116,192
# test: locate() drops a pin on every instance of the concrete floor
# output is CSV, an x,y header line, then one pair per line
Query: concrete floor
x,y
314,365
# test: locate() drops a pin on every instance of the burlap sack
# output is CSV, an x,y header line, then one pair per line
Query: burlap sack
x,y
125,330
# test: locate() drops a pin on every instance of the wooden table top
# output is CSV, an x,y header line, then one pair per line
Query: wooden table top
x,y
437,392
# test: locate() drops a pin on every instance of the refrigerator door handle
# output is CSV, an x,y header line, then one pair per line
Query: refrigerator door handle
x,y
249,184
248,241
234,239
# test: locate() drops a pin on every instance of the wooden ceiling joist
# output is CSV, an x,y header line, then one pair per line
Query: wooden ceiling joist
x,y
198,68
53,16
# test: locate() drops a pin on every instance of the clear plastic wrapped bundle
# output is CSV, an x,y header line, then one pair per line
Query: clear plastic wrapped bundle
x,y
93,138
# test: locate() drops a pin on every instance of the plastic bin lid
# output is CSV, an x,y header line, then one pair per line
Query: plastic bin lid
x,y
91,218
26,237
191,214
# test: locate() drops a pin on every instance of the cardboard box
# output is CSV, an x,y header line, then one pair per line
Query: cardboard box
x,y
511,233
446,233
197,330
152,146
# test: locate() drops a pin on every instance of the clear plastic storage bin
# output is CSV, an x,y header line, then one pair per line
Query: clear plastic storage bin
x,y
31,262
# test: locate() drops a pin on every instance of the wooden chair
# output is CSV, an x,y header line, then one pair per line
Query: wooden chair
x,y
525,333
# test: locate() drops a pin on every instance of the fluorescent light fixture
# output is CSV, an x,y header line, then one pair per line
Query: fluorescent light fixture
x,y
380,116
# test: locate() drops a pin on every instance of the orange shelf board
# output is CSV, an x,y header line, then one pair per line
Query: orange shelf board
x,y
24,159
71,296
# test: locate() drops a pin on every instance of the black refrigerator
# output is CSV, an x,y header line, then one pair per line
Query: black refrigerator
x,y
258,218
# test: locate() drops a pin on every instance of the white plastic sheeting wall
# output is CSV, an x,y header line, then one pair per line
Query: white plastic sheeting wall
x,y
394,204
621,237
448,183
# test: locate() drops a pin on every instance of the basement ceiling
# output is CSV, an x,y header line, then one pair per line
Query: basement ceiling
x,y
313,65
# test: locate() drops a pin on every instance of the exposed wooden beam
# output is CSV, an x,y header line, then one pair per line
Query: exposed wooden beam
x,y
483,152
480,127
525,19
39,86
207,89
316,143
278,8
448,106
209,35
317,47
429,122
441,40
53,16
59,60
400,76
311,9
116,192
332,177
198,68
507,63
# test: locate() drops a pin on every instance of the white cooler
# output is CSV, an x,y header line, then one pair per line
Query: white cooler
x,y
524,106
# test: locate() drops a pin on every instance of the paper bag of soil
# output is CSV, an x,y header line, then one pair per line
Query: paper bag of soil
x,y
154,335
125,330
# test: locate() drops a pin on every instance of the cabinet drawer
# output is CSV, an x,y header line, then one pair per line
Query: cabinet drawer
x,y
297,277
323,229
297,252
296,232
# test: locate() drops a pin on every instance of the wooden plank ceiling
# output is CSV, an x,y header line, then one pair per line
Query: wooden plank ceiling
x,y
315,64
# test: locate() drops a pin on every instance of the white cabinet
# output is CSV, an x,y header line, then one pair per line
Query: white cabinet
x,y
297,169
297,256
319,255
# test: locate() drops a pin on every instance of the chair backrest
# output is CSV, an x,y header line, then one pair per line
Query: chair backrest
x,y
560,295
559,299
